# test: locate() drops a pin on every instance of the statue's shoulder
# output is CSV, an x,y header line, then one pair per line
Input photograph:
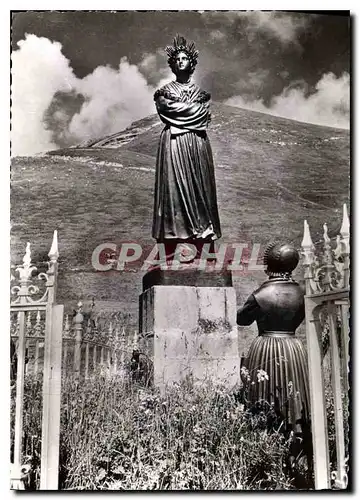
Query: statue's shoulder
x,y
272,288
164,91
203,95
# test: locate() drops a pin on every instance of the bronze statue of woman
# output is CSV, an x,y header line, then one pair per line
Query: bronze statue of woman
x,y
185,205
276,357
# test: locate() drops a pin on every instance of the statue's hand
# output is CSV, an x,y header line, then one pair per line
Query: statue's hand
x,y
165,94
203,97
161,101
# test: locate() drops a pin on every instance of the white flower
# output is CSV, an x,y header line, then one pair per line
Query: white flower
x,y
245,373
262,375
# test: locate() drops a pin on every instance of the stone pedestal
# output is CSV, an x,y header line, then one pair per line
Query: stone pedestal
x,y
190,331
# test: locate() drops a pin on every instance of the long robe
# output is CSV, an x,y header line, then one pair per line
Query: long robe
x,y
185,204
278,308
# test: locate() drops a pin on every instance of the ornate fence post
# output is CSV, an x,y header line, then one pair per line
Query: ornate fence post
x,y
343,252
50,436
78,321
316,381
26,301
22,291
327,288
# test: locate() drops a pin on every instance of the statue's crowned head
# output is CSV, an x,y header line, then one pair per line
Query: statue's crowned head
x,y
180,48
280,259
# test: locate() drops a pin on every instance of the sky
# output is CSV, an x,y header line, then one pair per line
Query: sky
x,y
81,75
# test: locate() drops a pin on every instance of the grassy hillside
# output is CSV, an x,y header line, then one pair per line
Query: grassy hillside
x,y
271,174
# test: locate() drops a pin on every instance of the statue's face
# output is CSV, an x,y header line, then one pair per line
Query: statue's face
x,y
182,62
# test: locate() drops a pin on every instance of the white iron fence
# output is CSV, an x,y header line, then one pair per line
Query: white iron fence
x,y
31,299
327,305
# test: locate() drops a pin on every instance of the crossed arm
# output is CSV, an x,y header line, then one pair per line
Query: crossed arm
x,y
183,114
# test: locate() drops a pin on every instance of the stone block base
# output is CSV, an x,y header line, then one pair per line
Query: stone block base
x,y
190,331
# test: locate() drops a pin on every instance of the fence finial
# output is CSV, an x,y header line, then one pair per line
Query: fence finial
x,y
79,318
27,256
307,241
326,235
345,226
54,252
345,246
25,271
328,257
135,343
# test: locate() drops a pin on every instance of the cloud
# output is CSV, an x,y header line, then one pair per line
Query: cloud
x,y
155,68
39,70
113,100
51,107
329,105
217,35
283,26
252,84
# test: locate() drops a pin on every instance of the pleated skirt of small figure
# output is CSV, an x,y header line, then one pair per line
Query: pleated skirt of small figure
x,y
285,362
185,202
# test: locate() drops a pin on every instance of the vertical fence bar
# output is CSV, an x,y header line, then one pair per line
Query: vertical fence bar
x,y
26,359
317,399
94,358
20,379
108,359
341,476
65,356
113,359
102,355
78,338
344,308
116,349
122,360
50,437
87,360
37,355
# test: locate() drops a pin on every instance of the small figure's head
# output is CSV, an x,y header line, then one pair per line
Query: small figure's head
x,y
182,57
280,259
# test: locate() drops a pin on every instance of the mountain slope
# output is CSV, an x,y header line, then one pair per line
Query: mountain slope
x,y
271,174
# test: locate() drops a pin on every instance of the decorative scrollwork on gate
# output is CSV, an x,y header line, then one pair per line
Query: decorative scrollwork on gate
x,y
26,292
327,334
329,271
